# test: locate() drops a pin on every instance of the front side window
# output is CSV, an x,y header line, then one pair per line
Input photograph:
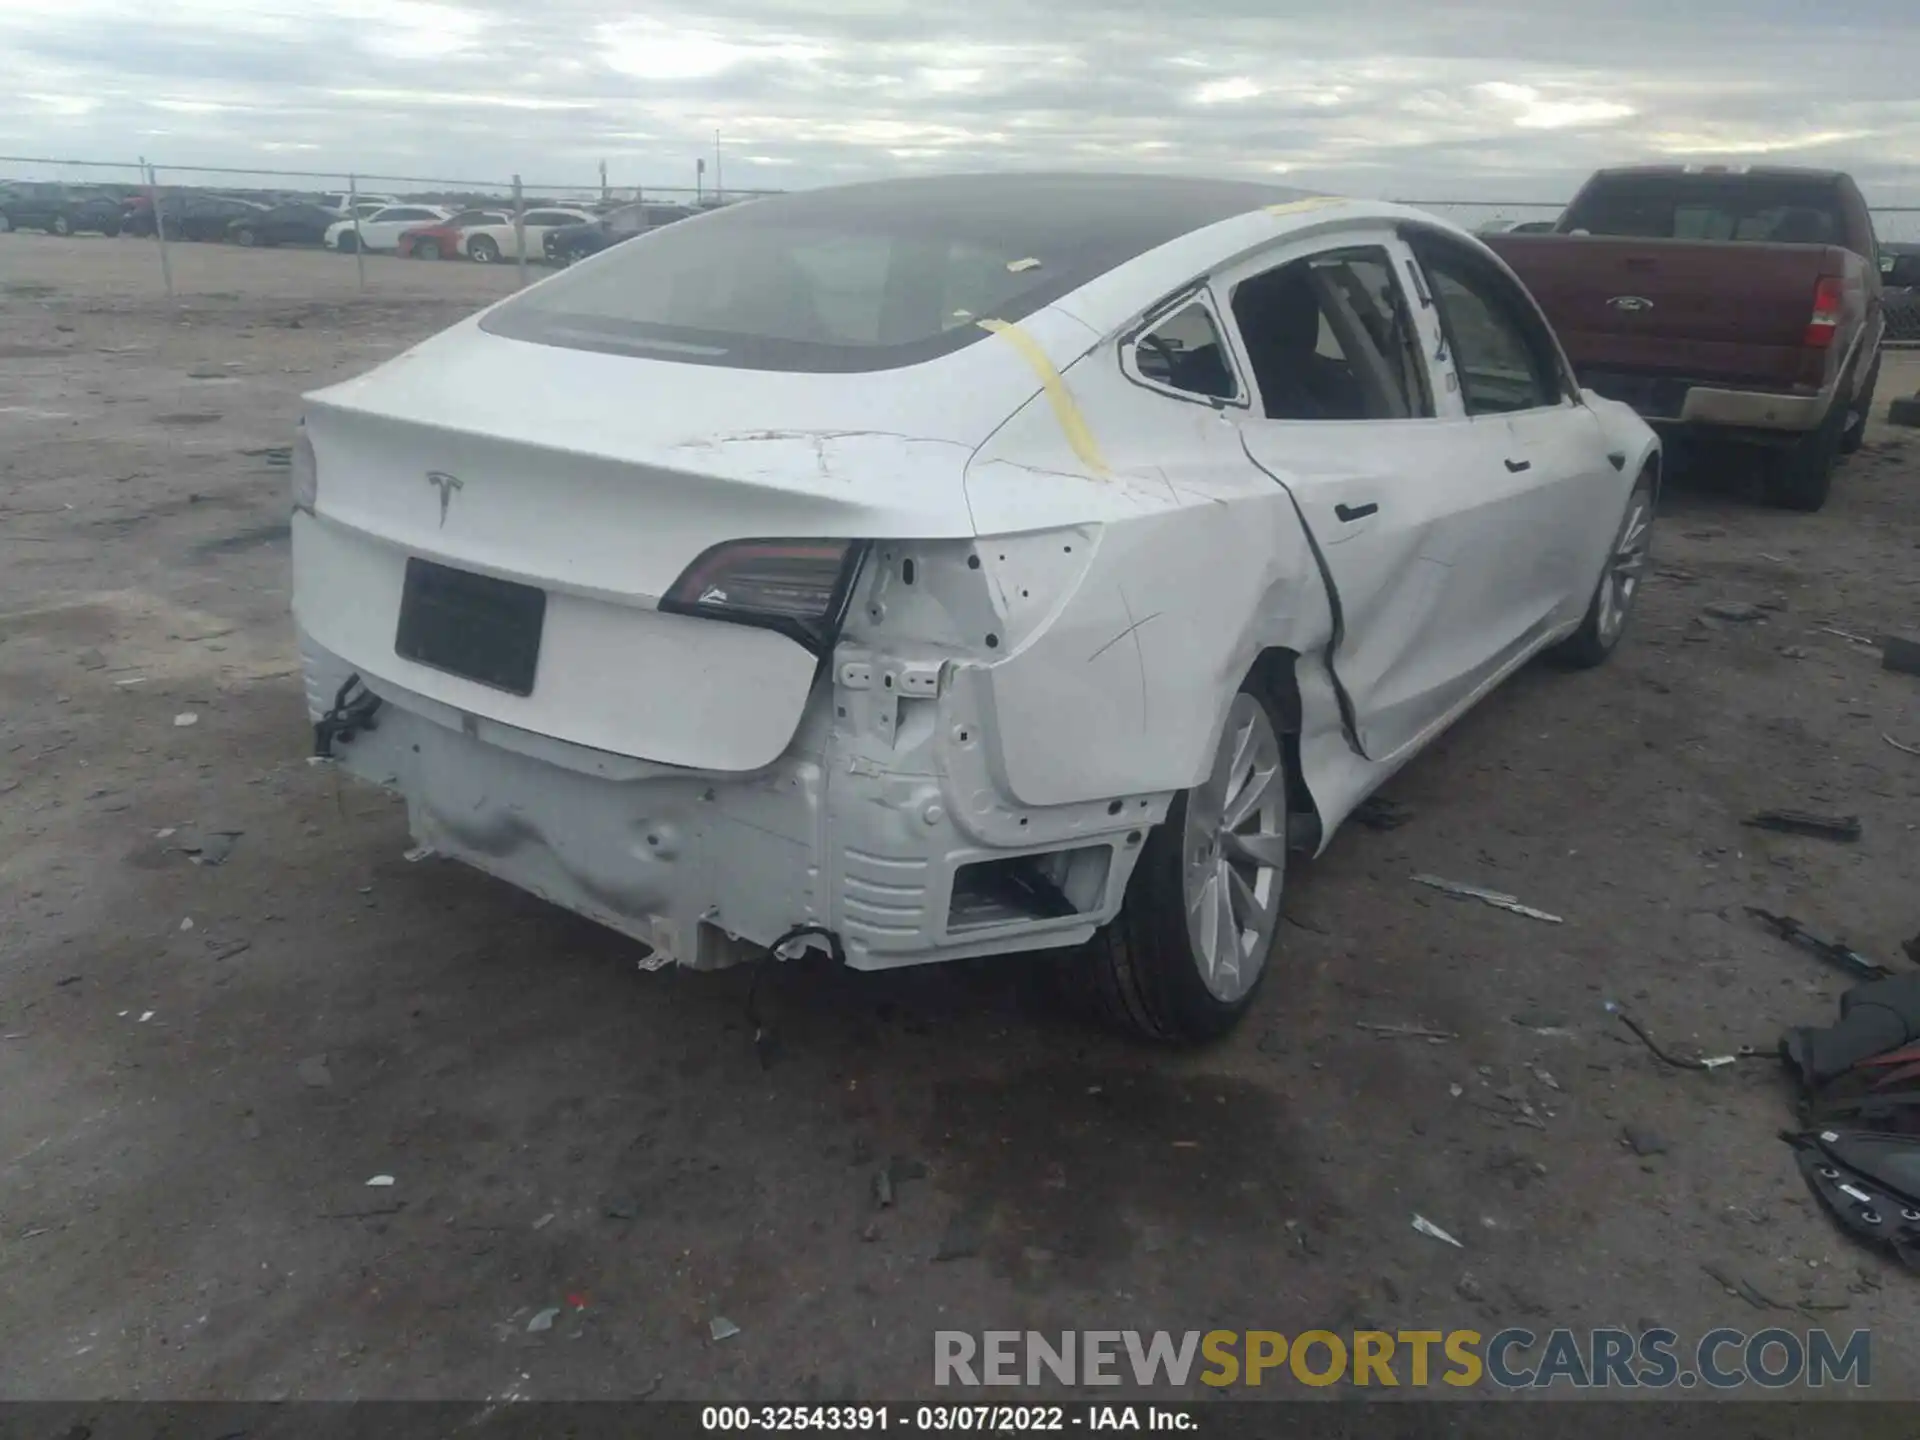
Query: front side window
x,y
1501,352
1185,352
1329,338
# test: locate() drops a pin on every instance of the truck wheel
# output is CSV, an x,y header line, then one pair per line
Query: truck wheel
x,y
1855,434
1800,478
1613,597
1196,934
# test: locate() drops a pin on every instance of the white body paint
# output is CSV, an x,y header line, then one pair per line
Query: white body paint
x,y
1057,667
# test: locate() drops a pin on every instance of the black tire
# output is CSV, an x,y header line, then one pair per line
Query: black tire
x,y
482,250
1855,434
349,242
111,230
246,237
426,250
60,225
6,223
1801,477
1599,635
1140,974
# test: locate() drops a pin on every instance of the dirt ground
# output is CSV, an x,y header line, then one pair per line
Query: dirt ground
x,y
203,1065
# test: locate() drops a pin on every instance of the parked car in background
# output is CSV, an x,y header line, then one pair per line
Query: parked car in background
x,y
442,241
1516,227
1724,304
299,223
382,229
337,200
58,209
576,242
956,566
209,217
486,244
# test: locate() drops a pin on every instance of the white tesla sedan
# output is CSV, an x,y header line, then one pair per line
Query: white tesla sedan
x,y
942,567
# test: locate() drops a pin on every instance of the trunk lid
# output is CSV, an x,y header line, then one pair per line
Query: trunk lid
x,y
1732,313
597,480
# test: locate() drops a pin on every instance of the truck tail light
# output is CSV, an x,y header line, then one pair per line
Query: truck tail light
x,y
798,587
1828,297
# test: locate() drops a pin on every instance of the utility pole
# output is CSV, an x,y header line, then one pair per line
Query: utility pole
x,y
699,180
719,186
603,182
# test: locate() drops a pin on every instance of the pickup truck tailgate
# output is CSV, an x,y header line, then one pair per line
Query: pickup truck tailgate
x,y
1734,313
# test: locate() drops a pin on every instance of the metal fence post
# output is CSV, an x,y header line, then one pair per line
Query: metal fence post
x,y
519,233
159,226
359,244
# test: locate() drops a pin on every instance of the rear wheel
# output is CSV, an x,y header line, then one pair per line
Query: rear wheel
x,y
349,242
61,225
1855,434
6,223
1201,920
1613,597
426,250
1801,477
482,250
246,236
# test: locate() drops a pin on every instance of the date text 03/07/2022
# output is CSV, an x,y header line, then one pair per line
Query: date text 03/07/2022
x,y
937,1419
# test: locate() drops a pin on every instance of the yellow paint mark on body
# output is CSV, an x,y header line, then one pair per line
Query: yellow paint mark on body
x,y
1065,409
1312,202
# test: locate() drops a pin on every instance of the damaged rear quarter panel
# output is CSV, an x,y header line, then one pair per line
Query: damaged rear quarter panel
x,y
1198,564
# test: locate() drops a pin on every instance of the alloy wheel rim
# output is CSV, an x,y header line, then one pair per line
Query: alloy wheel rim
x,y
1622,580
1233,854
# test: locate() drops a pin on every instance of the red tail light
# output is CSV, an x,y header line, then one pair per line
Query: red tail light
x,y
1828,297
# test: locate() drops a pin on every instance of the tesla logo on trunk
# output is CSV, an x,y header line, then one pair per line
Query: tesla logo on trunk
x,y
1635,303
446,484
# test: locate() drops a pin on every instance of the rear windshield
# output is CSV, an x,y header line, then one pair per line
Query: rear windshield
x,y
865,277
1781,210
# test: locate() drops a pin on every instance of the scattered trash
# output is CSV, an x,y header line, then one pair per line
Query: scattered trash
x,y
1847,635
1015,267
1909,749
1410,1032
1642,1142
313,1072
212,849
1428,1228
543,1321
417,854
1804,822
1900,653
882,1188
1546,1079
1746,1292
380,1181
186,924
1709,1062
1792,652
544,1221
1456,1091
620,1208
1378,813
1540,1021
721,1328
1487,897
1839,956
185,718
145,1015
1733,610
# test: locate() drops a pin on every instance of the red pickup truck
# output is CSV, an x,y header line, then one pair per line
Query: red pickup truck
x,y
1722,303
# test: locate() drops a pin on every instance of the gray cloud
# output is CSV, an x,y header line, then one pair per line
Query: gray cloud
x,y
1501,99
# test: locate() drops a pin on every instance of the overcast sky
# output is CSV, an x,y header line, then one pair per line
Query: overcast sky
x,y
1400,98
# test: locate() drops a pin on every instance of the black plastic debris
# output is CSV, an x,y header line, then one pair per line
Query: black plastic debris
x,y
1876,1019
1859,1200
1841,957
1804,822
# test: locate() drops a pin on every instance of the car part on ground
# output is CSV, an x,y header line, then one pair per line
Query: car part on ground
x,y
1736,305
976,587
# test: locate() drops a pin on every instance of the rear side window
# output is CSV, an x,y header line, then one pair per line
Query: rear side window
x,y
1779,210
1185,352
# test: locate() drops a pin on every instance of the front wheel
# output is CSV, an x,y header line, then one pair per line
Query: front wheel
x,y
1613,597
61,225
245,236
349,242
1201,921
426,250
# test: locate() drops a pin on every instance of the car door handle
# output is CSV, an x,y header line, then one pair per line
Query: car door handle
x,y
1514,467
1356,512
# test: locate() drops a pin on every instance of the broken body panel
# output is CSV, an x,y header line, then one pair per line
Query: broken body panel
x,y
1065,578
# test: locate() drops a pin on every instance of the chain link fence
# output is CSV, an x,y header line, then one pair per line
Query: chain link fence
x,y
150,198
